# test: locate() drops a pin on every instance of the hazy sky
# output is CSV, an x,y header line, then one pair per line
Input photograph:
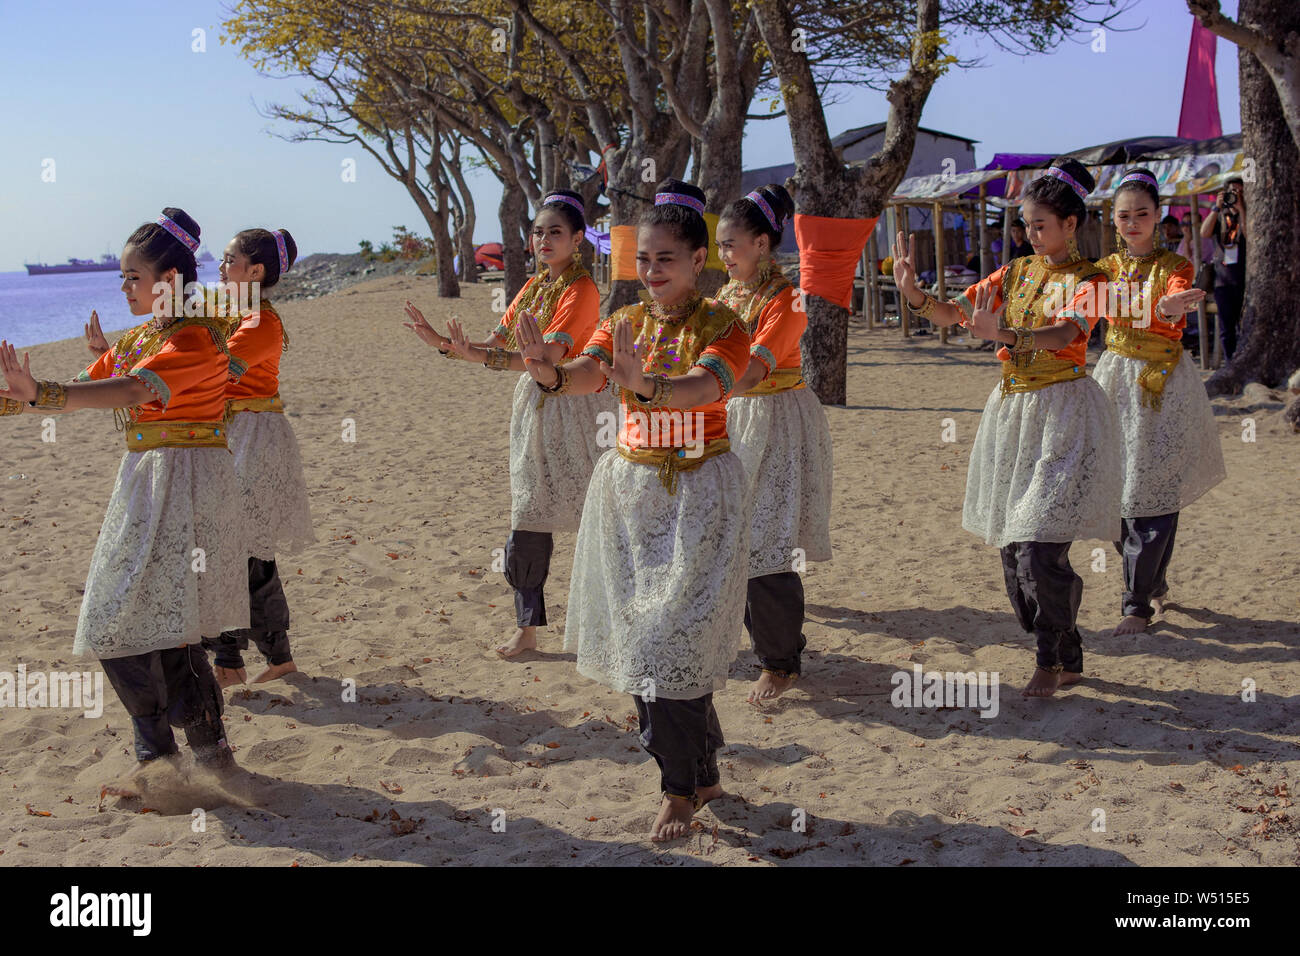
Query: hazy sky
x,y
133,120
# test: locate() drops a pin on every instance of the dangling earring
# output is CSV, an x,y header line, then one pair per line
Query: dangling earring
x,y
1120,244
1072,250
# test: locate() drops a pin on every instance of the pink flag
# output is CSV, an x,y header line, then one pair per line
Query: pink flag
x,y
1199,118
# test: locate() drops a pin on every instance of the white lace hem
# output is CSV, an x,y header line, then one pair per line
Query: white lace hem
x,y
1045,466
552,453
658,591
1171,456
144,591
272,490
784,443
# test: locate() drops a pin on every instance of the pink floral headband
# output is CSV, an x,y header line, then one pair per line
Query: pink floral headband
x,y
680,199
1057,173
189,241
560,197
1140,178
280,248
757,199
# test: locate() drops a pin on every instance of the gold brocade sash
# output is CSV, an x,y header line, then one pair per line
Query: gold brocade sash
x,y
781,380
236,405
1038,373
143,436
1162,356
673,460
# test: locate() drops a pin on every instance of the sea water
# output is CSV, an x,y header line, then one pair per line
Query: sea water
x,y
36,309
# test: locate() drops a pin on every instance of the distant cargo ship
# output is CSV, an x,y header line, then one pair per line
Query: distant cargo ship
x,y
106,263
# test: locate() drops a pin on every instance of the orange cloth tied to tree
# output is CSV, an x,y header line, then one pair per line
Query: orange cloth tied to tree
x,y
829,250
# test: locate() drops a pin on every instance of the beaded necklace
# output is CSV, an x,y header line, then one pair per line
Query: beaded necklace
x,y
665,354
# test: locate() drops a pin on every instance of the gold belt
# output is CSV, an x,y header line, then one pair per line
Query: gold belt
x,y
1162,356
1038,373
673,460
143,436
781,380
236,405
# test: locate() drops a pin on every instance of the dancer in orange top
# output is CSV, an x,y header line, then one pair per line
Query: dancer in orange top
x,y
168,566
779,430
554,441
1170,444
1044,469
273,494
661,559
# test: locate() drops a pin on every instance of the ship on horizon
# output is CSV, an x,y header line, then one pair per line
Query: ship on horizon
x,y
107,263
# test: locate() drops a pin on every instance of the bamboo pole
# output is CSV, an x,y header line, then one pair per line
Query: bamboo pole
x,y
986,254
1202,313
1106,235
871,293
940,260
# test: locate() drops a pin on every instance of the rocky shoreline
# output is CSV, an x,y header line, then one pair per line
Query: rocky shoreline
x,y
326,272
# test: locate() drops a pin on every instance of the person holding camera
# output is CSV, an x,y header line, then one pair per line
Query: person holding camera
x,y
1226,223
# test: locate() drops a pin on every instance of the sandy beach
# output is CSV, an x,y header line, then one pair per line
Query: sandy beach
x,y
447,754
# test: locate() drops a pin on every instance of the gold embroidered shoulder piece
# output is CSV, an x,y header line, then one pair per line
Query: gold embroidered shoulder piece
x,y
540,298
1032,283
147,340
748,299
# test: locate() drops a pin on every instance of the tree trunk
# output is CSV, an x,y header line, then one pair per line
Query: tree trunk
x,y
514,205
465,219
1269,350
632,185
824,186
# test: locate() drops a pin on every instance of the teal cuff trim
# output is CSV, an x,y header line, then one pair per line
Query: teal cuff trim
x,y
720,370
154,383
764,355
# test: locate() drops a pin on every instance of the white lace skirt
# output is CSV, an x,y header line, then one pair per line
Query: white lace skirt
x,y
272,491
1171,456
784,443
147,589
657,599
1045,466
552,453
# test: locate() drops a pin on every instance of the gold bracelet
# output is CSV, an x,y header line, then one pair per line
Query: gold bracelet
x,y
561,382
1024,340
11,406
928,304
663,392
497,360
51,395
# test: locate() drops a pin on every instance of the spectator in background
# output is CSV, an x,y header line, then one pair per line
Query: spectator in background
x,y
1185,247
1019,243
1171,231
1226,223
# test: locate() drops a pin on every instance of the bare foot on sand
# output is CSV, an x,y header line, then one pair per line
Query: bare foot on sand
x,y
1132,624
769,686
1162,604
706,794
229,676
674,820
276,670
1069,677
525,639
1043,684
